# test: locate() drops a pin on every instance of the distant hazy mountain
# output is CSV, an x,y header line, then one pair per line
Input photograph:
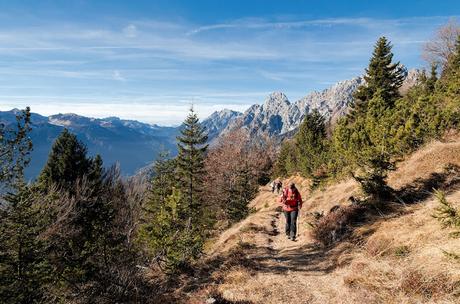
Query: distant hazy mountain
x,y
130,143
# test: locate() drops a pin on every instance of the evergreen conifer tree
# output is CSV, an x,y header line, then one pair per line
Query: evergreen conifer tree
x,y
190,165
240,193
382,74
310,142
159,230
66,163
15,148
24,270
369,131
175,217
431,81
23,267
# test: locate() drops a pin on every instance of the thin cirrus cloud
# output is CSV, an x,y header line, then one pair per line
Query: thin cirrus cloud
x,y
162,67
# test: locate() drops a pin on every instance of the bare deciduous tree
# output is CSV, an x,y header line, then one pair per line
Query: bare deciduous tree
x,y
235,168
438,50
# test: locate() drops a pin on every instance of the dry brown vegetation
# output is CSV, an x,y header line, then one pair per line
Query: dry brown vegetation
x,y
394,257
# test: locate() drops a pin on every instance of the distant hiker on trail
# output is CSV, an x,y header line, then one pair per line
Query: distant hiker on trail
x,y
273,185
292,203
279,186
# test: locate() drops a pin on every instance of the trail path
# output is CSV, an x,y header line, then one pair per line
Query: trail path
x,y
260,265
282,269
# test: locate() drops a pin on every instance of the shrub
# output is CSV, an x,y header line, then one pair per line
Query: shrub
x,y
414,282
402,251
446,214
338,224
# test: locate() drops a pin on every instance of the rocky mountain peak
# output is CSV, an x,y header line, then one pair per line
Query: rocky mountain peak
x,y
219,121
276,101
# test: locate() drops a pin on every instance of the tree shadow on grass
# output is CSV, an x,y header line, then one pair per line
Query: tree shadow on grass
x,y
422,188
310,258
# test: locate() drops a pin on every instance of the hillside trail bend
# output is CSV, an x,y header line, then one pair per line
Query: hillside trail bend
x,y
256,263
277,268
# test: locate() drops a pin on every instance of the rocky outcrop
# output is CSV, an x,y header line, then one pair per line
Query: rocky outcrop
x,y
278,117
219,121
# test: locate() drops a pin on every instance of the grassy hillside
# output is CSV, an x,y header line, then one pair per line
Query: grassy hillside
x,y
395,257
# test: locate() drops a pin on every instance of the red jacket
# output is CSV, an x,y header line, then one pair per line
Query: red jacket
x,y
291,199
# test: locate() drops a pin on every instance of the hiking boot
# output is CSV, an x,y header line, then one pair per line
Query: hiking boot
x,y
292,238
288,236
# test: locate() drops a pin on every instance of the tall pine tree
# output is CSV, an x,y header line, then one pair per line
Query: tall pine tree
x,y
159,229
382,75
15,148
24,270
66,163
192,146
175,217
366,132
310,142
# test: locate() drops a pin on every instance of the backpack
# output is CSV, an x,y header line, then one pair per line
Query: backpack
x,y
292,199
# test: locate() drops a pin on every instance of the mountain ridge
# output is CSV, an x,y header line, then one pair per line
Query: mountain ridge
x,y
134,144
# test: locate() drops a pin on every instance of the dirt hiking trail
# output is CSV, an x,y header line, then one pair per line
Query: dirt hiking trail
x,y
398,258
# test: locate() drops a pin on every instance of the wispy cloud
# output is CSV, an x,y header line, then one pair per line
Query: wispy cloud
x,y
117,76
104,68
263,24
130,31
260,24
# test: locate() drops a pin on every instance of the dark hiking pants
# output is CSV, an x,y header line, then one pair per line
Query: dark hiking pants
x,y
291,222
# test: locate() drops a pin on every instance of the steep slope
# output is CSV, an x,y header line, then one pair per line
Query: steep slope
x,y
395,258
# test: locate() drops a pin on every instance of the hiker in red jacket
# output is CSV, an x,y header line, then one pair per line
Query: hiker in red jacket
x,y
292,203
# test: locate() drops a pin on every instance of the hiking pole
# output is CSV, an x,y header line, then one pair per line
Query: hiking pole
x,y
298,224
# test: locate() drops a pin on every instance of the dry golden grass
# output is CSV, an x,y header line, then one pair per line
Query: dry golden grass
x,y
397,258
431,159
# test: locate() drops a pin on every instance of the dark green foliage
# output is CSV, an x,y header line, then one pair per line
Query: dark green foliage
x,y
311,143
190,163
382,126
15,147
307,152
175,217
453,64
364,138
159,232
431,81
82,228
365,143
286,162
66,163
448,216
240,193
164,180
86,243
190,173
24,269
382,75
369,142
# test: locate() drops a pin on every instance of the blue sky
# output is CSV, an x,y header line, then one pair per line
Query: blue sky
x,y
150,60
